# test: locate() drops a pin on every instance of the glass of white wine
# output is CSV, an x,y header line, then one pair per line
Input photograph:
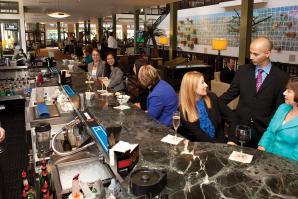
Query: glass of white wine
x,y
176,121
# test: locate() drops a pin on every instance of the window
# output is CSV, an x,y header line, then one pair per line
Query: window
x,y
7,7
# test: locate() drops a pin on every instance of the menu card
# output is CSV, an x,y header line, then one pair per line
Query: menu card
x,y
241,157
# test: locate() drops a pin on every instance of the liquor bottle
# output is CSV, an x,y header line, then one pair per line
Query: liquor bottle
x,y
44,190
45,176
66,143
25,182
24,194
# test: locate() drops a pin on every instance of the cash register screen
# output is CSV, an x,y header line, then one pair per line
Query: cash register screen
x,y
102,137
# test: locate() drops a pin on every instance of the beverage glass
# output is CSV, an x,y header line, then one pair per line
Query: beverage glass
x,y
176,121
243,134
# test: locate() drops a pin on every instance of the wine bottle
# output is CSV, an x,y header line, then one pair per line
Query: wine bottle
x,y
66,143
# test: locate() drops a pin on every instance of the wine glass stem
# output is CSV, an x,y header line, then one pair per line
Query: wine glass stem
x,y
241,147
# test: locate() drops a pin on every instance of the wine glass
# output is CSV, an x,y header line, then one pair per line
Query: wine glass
x,y
106,82
176,121
243,134
101,83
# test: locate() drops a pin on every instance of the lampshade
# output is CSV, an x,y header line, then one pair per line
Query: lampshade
x,y
163,40
58,15
219,44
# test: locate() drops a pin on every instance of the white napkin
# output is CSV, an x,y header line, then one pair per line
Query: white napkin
x,y
171,139
101,91
106,94
122,107
241,157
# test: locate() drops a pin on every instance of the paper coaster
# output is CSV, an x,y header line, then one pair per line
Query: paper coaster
x,y
241,157
171,139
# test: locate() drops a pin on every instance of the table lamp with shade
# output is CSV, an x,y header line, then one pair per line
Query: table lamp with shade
x,y
219,44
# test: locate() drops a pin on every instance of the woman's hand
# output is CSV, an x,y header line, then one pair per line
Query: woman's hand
x,y
138,105
2,134
232,143
261,148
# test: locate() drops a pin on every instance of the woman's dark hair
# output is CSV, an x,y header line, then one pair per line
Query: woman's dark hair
x,y
108,67
293,85
139,63
88,48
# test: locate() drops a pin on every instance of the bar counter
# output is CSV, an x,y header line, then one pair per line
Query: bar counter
x,y
195,170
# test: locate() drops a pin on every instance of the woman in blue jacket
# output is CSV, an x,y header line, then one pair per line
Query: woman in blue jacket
x,y
281,136
162,100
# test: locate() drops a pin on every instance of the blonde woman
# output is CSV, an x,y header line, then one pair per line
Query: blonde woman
x,y
162,100
201,111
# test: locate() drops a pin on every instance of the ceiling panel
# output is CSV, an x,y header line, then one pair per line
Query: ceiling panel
x,y
81,10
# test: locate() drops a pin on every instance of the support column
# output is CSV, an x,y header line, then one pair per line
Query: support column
x,y
89,31
245,31
99,29
173,30
124,31
85,32
59,31
114,25
1,48
136,29
77,31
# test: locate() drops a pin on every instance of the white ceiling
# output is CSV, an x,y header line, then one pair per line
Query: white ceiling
x,y
80,10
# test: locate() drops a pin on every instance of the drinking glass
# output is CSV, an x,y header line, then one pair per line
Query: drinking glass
x,y
106,82
101,83
176,121
243,134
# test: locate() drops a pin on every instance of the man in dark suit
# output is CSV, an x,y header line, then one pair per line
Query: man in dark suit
x,y
260,86
227,73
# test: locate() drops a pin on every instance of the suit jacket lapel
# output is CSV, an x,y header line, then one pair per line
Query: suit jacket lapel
x,y
252,78
292,123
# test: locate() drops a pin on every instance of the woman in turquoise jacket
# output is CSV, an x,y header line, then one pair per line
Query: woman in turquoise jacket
x,y
281,136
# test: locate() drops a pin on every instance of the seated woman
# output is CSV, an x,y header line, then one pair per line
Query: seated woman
x,y
114,73
97,67
281,136
201,111
87,50
141,99
162,100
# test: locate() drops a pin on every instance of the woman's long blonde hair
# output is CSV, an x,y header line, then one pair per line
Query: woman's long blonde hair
x,y
188,97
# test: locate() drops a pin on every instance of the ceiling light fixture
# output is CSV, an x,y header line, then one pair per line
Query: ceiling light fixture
x,y
59,14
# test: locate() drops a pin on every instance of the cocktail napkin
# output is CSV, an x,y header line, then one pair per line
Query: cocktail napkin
x,y
122,107
171,139
106,94
241,157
